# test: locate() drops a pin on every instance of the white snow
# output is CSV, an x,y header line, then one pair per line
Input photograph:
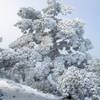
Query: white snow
x,y
10,90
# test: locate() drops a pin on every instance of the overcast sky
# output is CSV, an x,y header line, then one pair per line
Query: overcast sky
x,y
87,10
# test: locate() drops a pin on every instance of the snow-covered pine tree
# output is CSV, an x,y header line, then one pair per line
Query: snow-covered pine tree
x,y
52,54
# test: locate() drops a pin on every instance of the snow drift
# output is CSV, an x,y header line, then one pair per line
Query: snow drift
x,y
10,90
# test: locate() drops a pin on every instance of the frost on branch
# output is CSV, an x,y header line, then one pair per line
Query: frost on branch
x,y
29,13
45,45
24,40
78,84
25,25
42,69
56,7
72,34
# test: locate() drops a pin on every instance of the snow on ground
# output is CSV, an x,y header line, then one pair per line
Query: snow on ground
x,y
10,90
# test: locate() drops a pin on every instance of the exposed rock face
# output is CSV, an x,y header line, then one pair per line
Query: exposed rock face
x,y
10,90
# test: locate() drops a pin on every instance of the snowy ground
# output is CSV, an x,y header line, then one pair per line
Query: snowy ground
x,y
10,90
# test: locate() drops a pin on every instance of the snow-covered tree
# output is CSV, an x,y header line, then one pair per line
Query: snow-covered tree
x,y
52,54
94,66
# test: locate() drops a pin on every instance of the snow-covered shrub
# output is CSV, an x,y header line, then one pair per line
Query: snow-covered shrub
x,y
79,84
94,66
